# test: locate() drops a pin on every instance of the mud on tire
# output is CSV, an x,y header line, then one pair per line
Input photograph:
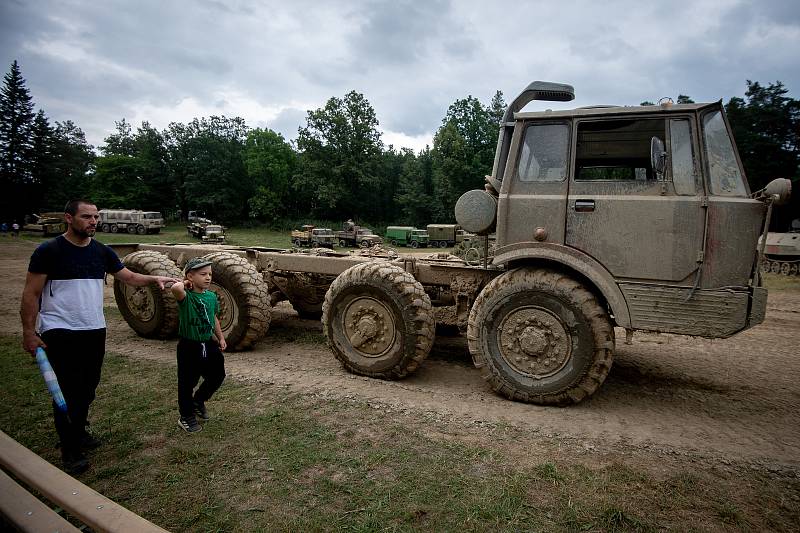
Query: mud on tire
x,y
243,297
149,311
378,320
538,336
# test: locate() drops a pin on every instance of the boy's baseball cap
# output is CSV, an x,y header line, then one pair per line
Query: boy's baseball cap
x,y
195,263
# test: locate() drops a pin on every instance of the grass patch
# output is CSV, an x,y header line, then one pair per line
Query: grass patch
x,y
273,461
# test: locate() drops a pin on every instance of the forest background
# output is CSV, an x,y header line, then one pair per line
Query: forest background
x,y
337,168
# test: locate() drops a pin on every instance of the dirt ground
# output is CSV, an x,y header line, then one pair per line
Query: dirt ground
x,y
727,401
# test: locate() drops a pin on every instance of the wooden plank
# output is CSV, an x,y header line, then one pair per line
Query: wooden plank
x,y
26,512
79,500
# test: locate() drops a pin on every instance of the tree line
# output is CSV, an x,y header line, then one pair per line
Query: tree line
x,y
338,167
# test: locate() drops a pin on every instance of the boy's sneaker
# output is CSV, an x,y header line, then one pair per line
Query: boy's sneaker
x,y
74,462
200,410
189,424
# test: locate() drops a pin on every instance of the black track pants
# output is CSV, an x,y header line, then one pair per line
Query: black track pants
x,y
77,360
196,360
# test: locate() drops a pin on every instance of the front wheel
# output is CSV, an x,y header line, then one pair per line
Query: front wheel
x,y
538,336
149,311
378,320
414,244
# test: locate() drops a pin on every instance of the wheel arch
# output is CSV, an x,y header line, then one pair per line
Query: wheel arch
x,y
583,267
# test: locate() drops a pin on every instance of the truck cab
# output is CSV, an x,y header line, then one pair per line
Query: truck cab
x,y
648,204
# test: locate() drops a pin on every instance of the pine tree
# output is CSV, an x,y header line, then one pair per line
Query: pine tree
x,y
16,124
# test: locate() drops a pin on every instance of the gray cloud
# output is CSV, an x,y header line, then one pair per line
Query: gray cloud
x,y
96,62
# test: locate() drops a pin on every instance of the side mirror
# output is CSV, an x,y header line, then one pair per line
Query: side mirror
x,y
658,157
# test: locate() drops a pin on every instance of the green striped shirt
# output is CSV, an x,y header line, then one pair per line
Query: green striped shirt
x,y
196,313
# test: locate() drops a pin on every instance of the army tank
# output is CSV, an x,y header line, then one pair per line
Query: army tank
x,y
782,252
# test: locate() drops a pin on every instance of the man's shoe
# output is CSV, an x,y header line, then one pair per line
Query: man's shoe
x,y
90,442
74,463
200,410
189,424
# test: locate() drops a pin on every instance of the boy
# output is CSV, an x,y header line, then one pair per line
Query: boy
x,y
199,352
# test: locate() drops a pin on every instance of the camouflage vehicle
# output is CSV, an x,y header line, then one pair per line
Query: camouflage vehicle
x,y
47,224
130,220
782,251
309,235
631,217
355,235
444,235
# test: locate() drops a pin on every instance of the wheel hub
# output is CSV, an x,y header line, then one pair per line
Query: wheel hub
x,y
140,302
534,342
228,310
369,326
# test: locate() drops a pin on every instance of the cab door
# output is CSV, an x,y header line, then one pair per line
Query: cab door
x,y
638,226
534,190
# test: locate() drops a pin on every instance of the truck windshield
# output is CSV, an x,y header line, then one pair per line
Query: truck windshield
x,y
724,173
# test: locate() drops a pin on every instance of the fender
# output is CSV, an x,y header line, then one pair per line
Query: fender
x,y
575,260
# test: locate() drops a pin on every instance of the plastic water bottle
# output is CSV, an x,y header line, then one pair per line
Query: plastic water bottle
x,y
50,379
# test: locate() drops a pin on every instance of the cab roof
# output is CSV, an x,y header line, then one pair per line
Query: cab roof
x,y
605,111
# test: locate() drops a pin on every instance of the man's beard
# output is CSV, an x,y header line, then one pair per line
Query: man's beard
x,y
84,233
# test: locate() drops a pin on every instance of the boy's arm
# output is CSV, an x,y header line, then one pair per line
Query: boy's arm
x,y
220,336
179,290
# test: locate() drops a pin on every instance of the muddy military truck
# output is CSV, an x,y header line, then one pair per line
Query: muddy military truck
x,y
605,217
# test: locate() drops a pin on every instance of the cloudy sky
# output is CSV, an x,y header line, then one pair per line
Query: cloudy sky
x,y
96,62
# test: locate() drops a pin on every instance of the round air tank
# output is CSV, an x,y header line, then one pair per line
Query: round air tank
x,y
476,211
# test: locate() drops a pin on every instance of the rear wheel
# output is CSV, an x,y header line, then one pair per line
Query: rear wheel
x,y
243,299
786,268
414,244
131,229
538,336
149,311
775,267
364,244
141,230
378,320
342,243
114,228
297,243
105,228
394,242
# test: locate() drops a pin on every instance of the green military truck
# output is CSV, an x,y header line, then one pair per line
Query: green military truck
x,y
406,236
634,217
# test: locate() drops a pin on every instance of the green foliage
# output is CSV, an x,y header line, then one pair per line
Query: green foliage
x,y
766,126
463,151
339,158
16,140
270,163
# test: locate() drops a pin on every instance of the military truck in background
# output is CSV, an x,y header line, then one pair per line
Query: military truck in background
x,y
47,224
445,235
207,232
782,251
352,235
309,235
407,236
130,221
631,217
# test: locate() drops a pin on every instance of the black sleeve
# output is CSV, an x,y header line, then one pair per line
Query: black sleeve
x,y
42,258
113,264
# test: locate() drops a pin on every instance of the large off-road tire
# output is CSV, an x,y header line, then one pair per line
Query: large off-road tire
x,y
538,336
114,228
141,230
132,229
378,320
243,297
149,311
105,228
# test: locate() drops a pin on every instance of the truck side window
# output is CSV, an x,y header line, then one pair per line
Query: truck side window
x,y
544,153
616,150
683,173
724,174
